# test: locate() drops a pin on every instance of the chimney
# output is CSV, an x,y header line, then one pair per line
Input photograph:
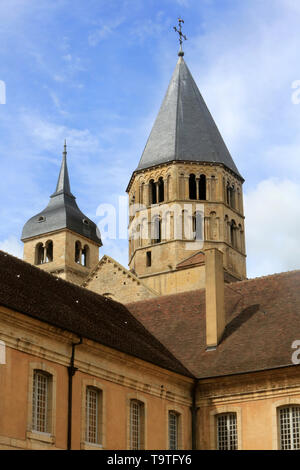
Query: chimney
x,y
214,293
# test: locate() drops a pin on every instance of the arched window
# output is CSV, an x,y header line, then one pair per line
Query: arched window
x,y
49,251
152,190
192,187
39,253
78,252
156,226
202,188
233,234
85,256
161,190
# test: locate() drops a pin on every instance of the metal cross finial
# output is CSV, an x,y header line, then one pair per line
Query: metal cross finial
x,y
181,36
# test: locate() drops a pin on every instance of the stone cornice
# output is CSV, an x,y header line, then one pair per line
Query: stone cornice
x,y
24,334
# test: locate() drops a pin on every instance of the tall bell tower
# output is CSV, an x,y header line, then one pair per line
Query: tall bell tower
x,y
185,195
61,239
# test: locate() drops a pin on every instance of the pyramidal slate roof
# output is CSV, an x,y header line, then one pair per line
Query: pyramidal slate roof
x,y
184,129
62,212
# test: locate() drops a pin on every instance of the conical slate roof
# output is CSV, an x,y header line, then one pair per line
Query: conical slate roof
x,y
62,212
184,129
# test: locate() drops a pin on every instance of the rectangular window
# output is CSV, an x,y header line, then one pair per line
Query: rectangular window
x,y
136,424
92,415
40,403
173,430
227,432
290,428
148,258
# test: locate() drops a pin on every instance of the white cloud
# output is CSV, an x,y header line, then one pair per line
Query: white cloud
x,y
47,134
104,31
272,212
12,246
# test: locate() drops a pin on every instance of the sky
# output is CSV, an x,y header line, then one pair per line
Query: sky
x,y
95,72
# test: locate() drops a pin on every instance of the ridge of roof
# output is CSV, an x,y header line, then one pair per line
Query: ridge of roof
x,y
227,285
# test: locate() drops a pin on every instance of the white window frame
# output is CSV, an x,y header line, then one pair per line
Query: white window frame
x,y
97,432
230,431
39,375
173,415
287,431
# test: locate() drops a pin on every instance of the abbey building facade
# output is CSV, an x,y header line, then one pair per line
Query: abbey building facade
x,y
179,350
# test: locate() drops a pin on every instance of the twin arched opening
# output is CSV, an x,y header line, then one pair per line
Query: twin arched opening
x,y
197,187
44,252
156,191
82,254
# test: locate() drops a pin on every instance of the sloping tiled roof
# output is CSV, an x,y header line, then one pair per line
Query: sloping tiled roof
x,y
196,258
184,129
32,291
263,320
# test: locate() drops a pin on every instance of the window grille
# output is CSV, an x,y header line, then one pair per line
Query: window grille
x,y
135,424
227,432
290,428
173,430
92,409
40,402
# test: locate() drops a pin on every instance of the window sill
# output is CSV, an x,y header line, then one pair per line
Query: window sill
x,y
90,446
41,437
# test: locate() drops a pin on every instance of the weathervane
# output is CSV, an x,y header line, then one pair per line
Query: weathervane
x,y
181,36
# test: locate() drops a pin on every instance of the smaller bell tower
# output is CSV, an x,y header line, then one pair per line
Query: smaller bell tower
x,y
61,239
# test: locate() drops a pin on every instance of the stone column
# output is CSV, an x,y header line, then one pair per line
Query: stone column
x,y
146,198
186,187
197,188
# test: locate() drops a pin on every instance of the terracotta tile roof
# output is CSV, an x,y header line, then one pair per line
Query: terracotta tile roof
x,y
263,320
197,258
31,291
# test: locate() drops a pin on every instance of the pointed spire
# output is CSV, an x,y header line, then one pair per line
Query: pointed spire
x,y
184,129
63,183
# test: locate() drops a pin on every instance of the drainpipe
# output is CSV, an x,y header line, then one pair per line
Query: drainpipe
x,y
71,373
194,415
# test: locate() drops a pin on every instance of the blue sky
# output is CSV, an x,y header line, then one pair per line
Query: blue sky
x,y
95,72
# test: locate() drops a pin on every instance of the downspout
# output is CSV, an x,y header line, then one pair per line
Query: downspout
x,y
71,373
194,415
